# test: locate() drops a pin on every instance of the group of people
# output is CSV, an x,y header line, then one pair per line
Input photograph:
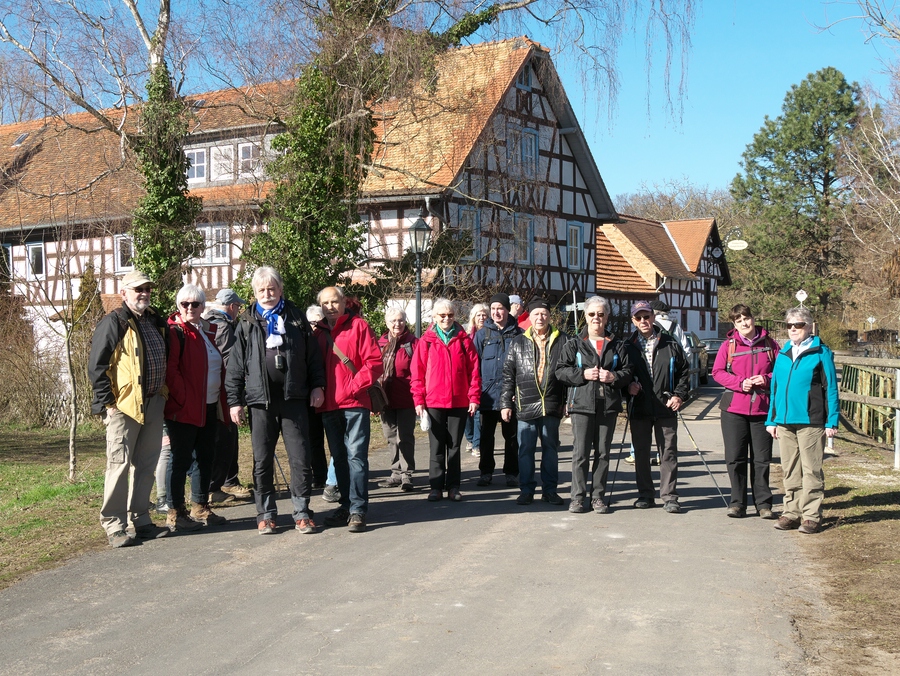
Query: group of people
x,y
202,373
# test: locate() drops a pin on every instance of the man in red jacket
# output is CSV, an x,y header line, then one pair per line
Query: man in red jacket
x,y
352,365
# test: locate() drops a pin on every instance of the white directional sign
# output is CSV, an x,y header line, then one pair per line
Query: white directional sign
x,y
801,295
737,245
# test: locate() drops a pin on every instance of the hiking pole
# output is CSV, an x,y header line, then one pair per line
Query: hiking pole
x,y
283,476
696,448
612,486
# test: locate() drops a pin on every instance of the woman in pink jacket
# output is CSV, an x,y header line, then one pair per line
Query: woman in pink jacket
x,y
446,386
744,368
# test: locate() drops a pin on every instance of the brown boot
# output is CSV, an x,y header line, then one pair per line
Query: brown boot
x,y
178,521
201,512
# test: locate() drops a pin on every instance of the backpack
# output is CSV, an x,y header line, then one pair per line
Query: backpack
x,y
770,349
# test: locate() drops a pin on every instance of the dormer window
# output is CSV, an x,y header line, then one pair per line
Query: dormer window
x,y
20,140
198,104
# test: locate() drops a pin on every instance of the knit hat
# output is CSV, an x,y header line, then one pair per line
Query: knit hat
x,y
659,306
538,304
501,298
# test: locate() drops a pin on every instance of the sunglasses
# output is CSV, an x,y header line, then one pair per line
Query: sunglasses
x,y
596,314
444,316
190,303
795,325
143,289
643,318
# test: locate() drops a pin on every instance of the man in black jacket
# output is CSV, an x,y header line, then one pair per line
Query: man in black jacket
x,y
530,385
660,388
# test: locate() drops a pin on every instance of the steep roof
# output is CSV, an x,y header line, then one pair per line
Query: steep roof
x,y
647,246
614,273
691,237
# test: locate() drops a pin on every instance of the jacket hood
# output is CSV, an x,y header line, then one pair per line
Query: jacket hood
x,y
214,313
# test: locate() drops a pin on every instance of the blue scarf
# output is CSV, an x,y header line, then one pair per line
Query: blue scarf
x,y
271,316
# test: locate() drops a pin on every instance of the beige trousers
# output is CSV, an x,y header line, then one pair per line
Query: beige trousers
x,y
802,452
130,444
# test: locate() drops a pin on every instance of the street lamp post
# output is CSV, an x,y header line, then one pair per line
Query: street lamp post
x,y
419,235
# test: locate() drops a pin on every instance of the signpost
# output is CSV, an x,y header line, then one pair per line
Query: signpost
x,y
801,295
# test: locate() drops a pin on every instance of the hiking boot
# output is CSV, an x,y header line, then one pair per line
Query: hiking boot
x,y
512,481
331,494
737,512
202,513
150,532
357,523
238,492
599,506
435,495
765,513
552,498
672,507
266,527
454,495
525,499
809,527
484,480
787,523
340,517
120,539
220,497
178,521
644,503
306,526
391,482
407,486
161,506
576,506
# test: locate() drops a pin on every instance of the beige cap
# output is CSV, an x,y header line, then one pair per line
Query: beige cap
x,y
134,279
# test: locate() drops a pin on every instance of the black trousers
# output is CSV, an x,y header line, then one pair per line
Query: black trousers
x,y
186,442
745,437
317,443
591,431
447,428
666,432
225,459
486,462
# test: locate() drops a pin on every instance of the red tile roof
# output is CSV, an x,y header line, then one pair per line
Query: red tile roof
x,y
614,273
650,249
691,237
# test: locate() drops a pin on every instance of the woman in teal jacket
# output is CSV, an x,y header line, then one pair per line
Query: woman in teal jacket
x,y
803,411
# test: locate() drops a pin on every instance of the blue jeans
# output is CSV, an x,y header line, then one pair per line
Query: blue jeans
x,y
348,431
547,428
332,477
473,429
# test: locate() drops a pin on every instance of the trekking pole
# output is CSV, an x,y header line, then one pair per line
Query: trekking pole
x,y
696,448
612,486
283,476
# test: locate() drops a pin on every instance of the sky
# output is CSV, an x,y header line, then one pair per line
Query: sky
x,y
745,55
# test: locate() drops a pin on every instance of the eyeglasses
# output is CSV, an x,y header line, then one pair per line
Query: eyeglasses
x,y
596,314
643,318
795,325
143,289
190,303
444,316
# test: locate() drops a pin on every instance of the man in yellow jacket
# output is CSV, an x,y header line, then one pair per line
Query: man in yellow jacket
x,y
127,368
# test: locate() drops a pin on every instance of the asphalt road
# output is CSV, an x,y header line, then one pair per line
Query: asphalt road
x,y
478,587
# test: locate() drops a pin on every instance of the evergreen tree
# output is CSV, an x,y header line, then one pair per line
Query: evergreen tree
x,y
793,191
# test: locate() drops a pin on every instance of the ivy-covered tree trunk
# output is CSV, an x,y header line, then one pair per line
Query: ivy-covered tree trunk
x,y
164,230
313,235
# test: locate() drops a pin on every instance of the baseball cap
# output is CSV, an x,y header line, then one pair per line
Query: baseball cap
x,y
641,306
136,278
515,299
228,296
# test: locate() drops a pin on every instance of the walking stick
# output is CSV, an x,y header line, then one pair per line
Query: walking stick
x,y
696,448
283,476
612,486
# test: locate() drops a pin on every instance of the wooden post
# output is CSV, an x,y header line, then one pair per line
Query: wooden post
x,y
897,421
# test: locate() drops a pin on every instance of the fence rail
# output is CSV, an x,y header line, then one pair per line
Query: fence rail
x,y
870,397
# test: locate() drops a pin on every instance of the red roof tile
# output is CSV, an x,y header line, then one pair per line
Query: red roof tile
x,y
691,237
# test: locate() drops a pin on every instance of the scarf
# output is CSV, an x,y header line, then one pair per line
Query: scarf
x,y
389,356
274,324
445,337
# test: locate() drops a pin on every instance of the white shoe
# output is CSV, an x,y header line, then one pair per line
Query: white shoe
x,y
476,453
630,459
468,447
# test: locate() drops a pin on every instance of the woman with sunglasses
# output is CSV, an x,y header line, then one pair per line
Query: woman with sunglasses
x,y
803,411
446,386
195,378
596,369
744,368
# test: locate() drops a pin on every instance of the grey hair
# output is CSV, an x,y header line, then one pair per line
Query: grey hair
x,y
391,311
798,313
338,290
266,274
314,313
191,292
440,303
598,300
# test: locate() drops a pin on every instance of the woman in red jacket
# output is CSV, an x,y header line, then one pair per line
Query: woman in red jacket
x,y
398,420
446,381
744,368
196,404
